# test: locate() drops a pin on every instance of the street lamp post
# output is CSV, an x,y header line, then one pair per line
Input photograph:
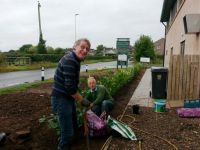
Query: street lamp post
x,y
75,25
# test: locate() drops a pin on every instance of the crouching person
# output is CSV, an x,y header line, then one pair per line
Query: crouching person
x,y
100,98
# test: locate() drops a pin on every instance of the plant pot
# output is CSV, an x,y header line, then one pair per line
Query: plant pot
x,y
135,109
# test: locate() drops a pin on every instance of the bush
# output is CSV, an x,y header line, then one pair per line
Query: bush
x,y
158,59
144,47
2,59
45,57
115,82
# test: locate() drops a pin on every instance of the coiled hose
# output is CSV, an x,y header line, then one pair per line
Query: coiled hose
x,y
108,141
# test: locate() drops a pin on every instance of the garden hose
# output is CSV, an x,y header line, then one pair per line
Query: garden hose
x,y
140,145
150,133
108,141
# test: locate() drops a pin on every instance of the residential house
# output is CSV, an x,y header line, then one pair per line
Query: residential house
x,y
181,19
110,51
159,46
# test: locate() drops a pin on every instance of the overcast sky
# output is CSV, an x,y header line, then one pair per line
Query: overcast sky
x,y
101,21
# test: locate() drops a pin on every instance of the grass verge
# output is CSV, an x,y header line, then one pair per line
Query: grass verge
x,y
25,86
22,87
34,66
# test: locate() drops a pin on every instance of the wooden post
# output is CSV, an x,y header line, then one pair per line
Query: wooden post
x,y
42,74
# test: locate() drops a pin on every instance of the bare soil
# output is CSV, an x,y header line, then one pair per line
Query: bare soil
x,y
21,111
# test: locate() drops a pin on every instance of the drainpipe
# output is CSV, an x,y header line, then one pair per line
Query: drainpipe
x,y
164,45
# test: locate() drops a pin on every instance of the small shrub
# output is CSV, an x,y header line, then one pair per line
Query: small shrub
x,y
2,59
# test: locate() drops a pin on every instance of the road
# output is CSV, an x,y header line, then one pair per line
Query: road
x,y
19,77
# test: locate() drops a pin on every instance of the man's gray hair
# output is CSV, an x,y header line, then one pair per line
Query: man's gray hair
x,y
82,39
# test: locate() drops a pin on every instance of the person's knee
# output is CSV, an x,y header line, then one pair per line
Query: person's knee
x,y
97,110
104,104
107,105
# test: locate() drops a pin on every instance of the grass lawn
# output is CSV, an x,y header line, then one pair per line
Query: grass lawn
x,y
22,87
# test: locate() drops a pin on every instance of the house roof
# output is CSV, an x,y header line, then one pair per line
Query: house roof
x,y
165,14
160,40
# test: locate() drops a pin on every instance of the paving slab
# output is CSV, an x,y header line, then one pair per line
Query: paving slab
x,y
141,95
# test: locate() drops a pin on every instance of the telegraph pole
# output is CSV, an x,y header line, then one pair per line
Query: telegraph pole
x,y
39,19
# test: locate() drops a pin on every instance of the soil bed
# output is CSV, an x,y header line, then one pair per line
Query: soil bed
x,y
21,111
184,133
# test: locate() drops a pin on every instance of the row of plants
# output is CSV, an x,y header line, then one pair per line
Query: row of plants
x,y
114,81
120,78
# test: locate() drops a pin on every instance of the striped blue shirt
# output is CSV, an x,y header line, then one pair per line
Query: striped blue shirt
x,y
66,78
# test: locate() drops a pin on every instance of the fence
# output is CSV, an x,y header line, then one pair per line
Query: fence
x,y
183,77
18,60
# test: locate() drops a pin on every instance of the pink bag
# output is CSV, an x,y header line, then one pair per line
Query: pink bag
x,y
189,112
96,125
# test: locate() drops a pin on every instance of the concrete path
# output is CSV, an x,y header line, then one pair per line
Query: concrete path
x,y
141,95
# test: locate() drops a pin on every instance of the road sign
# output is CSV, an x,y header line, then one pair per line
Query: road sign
x,y
122,45
145,59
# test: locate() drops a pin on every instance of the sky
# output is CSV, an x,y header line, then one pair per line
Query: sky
x,y
101,21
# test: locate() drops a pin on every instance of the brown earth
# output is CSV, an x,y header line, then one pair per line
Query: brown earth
x,y
21,111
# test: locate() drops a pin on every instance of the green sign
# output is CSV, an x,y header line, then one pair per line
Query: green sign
x,y
122,45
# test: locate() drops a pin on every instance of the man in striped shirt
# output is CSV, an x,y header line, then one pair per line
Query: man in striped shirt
x,y
65,91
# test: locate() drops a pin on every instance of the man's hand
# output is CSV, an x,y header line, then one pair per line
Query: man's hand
x,y
91,105
85,102
77,96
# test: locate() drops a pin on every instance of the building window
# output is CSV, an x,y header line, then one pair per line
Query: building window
x,y
158,47
182,45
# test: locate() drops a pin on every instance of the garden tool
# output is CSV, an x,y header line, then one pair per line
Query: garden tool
x,y
122,128
86,132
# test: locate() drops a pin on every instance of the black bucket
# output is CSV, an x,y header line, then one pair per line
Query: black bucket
x,y
135,109
2,138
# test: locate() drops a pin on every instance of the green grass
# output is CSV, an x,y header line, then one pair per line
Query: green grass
x,y
34,66
10,68
22,87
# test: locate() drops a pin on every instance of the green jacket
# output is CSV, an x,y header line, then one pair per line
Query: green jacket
x,y
98,95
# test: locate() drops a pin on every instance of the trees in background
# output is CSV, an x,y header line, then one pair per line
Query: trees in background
x,y
100,49
41,47
24,48
32,50
2,58
59,50
144,47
